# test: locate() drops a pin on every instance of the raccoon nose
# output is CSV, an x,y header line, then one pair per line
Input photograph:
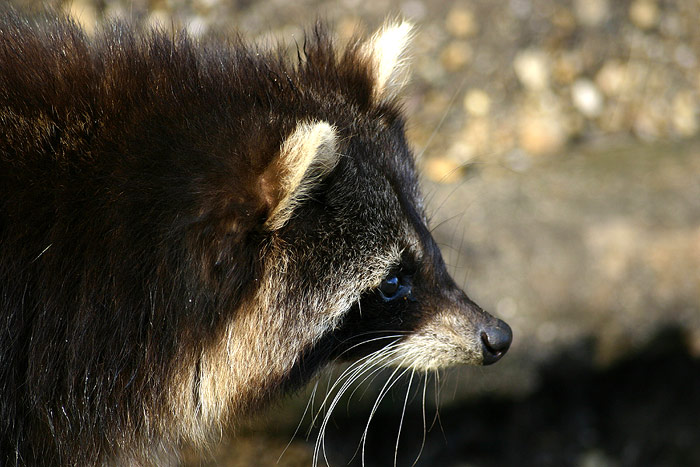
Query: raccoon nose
x,y
495,341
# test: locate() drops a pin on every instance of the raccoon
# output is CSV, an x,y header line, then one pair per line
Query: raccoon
x,y
190,229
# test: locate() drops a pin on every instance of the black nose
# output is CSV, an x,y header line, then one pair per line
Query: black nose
x,y
495,341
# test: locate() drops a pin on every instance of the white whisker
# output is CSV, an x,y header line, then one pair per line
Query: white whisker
x,y
368,364
442,119
306,409
422,444
373,375
403,414
385,389
393,336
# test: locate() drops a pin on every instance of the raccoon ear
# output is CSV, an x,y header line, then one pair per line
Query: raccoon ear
x,y
306,156
386,52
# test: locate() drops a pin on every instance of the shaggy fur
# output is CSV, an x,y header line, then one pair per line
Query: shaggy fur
x,y
189,230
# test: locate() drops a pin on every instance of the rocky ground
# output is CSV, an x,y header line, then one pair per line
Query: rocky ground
x,y
558,142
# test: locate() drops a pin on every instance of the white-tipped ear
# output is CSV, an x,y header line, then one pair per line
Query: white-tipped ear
x,y
386,52
306,156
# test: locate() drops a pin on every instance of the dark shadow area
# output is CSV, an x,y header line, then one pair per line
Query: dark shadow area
x,y
642,411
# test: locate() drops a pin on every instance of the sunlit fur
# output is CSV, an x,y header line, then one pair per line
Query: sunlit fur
x,y
306,157
190,230
387,53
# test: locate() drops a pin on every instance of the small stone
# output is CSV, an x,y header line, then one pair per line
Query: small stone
x,y
541,135
476,137
611,78
685,122
461,152
644,13
442,170
477,102
160,19
456,55
460,23
591,12
587,98
197,26
206,4
532,69
84,13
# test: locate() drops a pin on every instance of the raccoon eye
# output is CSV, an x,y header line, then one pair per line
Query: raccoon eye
x,y
394,287
389,286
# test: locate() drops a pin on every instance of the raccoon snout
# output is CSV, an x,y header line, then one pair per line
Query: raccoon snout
x,y
495,341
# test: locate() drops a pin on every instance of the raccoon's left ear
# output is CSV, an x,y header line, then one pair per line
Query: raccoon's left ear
x,y
306,156
386,53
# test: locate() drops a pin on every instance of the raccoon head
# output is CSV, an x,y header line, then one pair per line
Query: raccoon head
x,y
351,261
347,263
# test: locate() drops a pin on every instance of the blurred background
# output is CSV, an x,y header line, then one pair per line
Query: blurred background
x,y
561,162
